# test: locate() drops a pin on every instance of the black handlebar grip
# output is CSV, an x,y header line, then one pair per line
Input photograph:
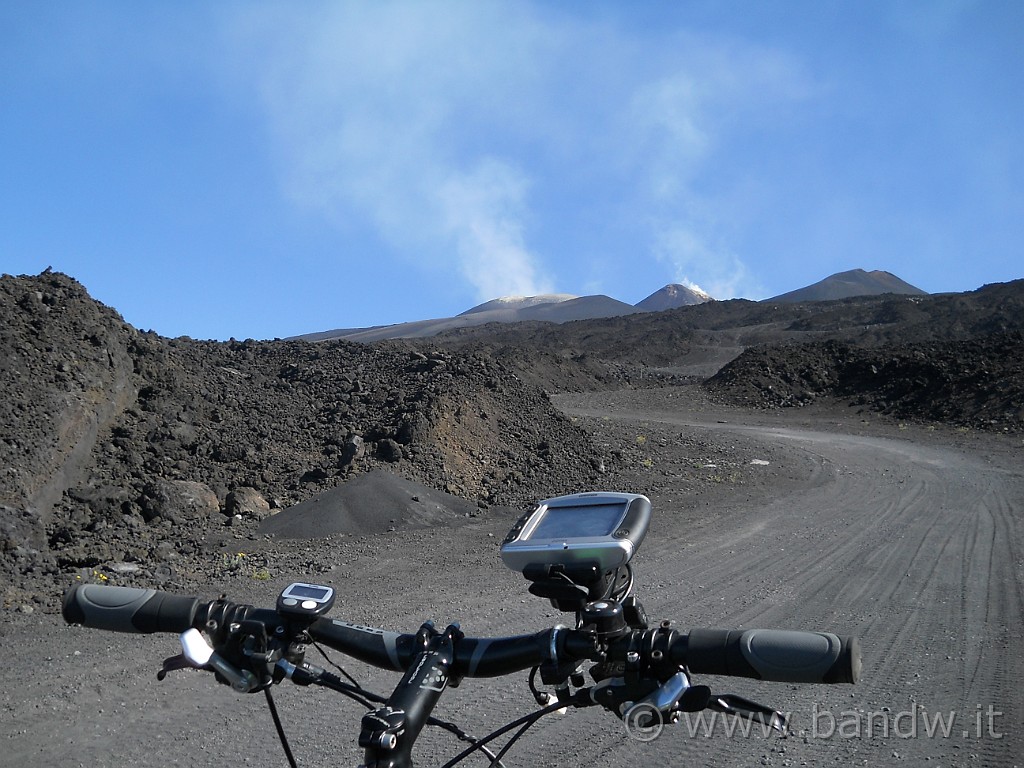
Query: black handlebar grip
x,y
128,609
781,656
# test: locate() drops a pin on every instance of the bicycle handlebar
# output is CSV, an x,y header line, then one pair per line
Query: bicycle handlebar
x,y
772,655
128,609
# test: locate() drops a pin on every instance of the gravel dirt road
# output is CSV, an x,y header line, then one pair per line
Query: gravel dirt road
x,y
911,544
908,538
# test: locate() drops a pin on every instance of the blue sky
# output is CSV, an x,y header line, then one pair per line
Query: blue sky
x,y
252,169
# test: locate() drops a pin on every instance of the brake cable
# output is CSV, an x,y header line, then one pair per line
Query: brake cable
x,y
334,664
280,728
525,721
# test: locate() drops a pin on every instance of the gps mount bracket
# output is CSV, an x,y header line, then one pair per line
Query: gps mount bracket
x,y
569,587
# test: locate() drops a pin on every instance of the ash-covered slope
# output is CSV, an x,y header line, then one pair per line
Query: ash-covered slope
x,y
510,306
671,297
126,446
558,308
855,282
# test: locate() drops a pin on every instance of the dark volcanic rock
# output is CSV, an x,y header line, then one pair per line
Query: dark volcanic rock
x,y
977,383
66,376
247,502
117,441
178,501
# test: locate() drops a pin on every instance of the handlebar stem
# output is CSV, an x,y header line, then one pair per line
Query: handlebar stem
x,y
388,733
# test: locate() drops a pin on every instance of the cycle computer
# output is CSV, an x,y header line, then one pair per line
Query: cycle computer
x,y
305,600
601,528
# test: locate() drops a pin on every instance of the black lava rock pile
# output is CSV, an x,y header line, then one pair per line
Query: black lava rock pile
x,y
976,383
125,447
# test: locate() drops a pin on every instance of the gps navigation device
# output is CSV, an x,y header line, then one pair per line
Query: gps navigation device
x,y
601,528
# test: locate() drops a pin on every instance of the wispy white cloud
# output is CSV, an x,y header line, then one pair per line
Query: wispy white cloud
x,y
378,109
683,124
483,213
671,136
438,123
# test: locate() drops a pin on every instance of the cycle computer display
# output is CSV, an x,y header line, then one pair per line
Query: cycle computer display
x,y
603,528
305,600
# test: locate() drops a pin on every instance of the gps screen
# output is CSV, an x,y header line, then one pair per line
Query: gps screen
x,y
578,521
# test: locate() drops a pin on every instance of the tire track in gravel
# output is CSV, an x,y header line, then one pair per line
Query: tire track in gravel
x,y
914,548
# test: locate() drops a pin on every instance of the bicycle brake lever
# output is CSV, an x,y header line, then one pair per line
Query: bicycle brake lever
x,y
737,705
173,664
666,696
665,702
641,699
197,653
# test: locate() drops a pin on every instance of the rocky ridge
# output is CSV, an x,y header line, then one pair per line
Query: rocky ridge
x,y
131,448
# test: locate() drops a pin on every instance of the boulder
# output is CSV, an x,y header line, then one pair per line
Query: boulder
x,y
178,501
353,449
389,450
247,502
